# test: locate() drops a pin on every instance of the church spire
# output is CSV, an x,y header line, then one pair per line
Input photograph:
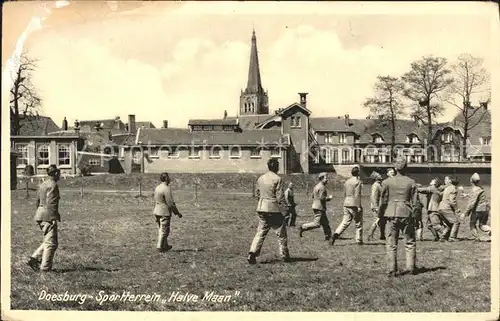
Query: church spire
x,y
253,100
254,83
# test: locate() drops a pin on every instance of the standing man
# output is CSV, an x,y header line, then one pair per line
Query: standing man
x,y
319,208
398,194
390,172
163,210
352,207
271,210
47,216
375,205
477,209
433,194
448,210
290,203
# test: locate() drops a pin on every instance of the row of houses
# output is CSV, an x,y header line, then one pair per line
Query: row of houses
x,y
238,144
244,143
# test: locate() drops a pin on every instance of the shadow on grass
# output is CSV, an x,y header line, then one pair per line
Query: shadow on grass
x,y
421,270
292,260
188,250
84,268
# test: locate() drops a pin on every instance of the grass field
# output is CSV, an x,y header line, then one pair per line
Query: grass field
x,y
107,243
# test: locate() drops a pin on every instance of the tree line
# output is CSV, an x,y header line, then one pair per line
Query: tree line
x,y
421,92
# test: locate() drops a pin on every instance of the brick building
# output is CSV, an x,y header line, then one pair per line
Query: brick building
x,y
303,143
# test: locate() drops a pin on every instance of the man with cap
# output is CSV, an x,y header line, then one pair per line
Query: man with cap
x,y
375,204
477,208
448,210
46,216
271,210
398,197
164,208
433,193
352,207
320,197
290,203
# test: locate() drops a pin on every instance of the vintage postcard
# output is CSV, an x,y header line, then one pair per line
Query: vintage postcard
x,y
169,158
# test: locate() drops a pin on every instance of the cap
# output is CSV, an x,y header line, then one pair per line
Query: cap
x,y
321,175
52,170
475,177
375,175
400,164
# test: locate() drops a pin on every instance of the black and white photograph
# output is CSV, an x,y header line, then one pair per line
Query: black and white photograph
x,y
198,156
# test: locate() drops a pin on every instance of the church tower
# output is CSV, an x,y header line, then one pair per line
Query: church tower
x,y
254,100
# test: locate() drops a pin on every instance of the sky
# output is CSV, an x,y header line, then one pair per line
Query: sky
x,y
178,61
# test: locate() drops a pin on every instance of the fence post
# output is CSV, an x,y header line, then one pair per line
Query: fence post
x,y
140,188
307,188
27,189
253,189
196,191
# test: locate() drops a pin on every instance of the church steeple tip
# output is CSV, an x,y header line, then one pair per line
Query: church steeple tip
x,y
254,100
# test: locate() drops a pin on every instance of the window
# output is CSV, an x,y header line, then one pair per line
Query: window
x,y
275,152
329,138
412,139
296,121
447,137
154,152
22,160
173,153
255,153
43,155
95,162
342,138
327,155
64,155
228,128
215,153
208,128
235,153
194,153
377,139
218,127
485,140
345,155
197,128
136,158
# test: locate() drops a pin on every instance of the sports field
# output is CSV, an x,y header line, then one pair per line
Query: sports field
x,y
107,247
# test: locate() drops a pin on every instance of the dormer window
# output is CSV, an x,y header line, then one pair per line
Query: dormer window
x,y
412,139
485,140
295,121
377,139
447,137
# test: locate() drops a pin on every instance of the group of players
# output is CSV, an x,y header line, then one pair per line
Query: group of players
x,y
397,204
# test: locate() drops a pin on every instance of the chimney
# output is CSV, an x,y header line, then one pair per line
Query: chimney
x,y
65,124
117,122
131,124
346,120
225,114
77,126
303,99
165,124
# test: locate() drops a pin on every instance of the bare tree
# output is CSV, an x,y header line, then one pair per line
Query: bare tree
x,y
425,82
470,79
387,101
24,99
